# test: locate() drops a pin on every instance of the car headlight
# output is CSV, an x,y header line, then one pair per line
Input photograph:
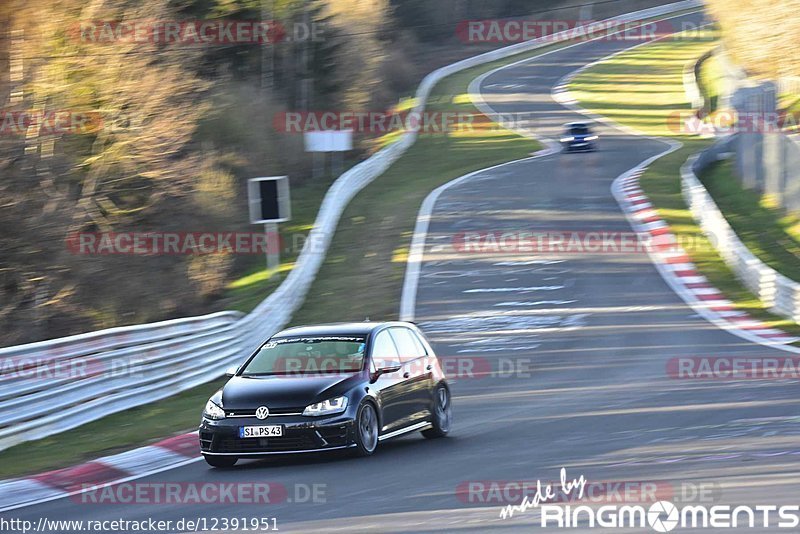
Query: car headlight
x,y
592,138
212,411
567,139
328,407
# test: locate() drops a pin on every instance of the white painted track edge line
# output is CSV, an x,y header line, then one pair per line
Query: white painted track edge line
x,y
617,189
408,299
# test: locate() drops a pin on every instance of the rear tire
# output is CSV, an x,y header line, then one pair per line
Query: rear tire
x,y
366,430
442,414
220,461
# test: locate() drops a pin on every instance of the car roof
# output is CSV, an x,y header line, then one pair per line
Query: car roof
x,y
574,124
362,328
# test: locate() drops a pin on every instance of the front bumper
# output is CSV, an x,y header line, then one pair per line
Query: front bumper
x,y
578,145
301,434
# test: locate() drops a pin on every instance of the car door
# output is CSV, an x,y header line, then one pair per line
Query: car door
x,y
393,389
415,372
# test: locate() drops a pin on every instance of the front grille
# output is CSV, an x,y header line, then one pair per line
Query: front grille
x,y
292,441
252,412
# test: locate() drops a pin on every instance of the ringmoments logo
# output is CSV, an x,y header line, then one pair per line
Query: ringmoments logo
x,y
661,516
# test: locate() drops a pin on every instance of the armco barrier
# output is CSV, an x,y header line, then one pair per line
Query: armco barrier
x,y
774,290
173,356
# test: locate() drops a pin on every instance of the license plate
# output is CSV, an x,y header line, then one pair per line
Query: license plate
x,y
271,431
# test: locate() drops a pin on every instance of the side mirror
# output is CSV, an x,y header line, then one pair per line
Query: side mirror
x,y
231,371
386,368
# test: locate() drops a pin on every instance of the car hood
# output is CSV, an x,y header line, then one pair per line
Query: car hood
x,y
280,392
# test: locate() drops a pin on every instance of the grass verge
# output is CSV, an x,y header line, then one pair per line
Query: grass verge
x,y
642,88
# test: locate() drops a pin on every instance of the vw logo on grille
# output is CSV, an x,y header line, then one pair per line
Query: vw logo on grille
x,y
262,412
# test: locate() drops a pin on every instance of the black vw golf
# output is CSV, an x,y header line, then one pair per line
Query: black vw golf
x,y
320,388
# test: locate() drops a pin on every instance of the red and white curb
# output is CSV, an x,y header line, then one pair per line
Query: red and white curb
x,y
167,454
678,270
673,263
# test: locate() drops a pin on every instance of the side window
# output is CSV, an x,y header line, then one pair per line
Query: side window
x,y
404,339
384,351
420,346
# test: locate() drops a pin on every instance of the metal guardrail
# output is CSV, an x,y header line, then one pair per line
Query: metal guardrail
x,y
774,290
130,366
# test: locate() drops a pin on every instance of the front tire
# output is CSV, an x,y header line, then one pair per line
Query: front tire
x,y
367,429
442,414
220,461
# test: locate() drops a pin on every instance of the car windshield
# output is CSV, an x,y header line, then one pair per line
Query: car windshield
x,y
579,130
308,356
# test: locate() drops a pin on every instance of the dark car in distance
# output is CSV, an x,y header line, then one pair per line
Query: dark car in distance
x,y
328,387
578,136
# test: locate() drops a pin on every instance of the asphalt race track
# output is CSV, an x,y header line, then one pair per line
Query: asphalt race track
x,y
588,336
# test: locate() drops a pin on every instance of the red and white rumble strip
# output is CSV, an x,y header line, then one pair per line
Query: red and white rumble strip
x,y
675,264
129,465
